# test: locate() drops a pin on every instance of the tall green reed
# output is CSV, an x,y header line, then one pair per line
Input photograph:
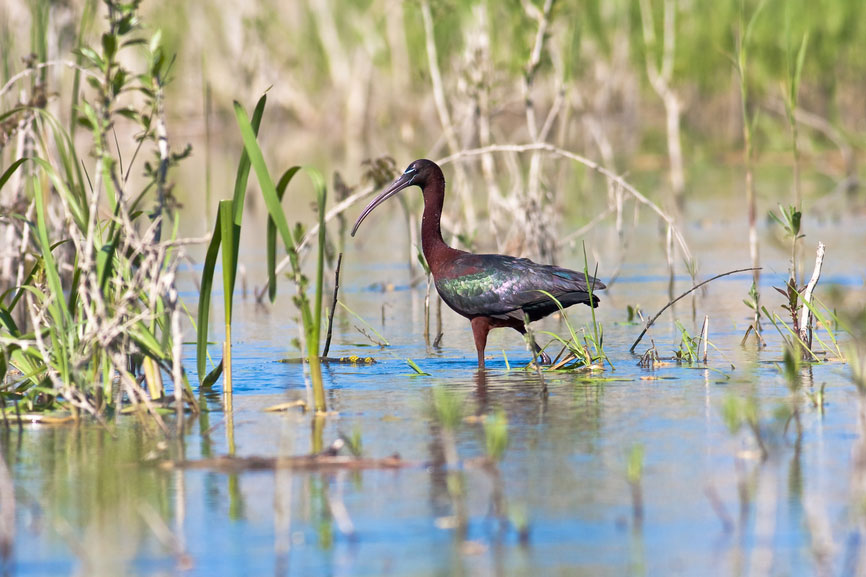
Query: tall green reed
x,y
232,211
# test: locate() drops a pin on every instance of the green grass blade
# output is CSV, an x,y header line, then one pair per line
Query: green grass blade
x,y
269,191
7,174
58,309
271,241
321,198
243,173
204,299
229,232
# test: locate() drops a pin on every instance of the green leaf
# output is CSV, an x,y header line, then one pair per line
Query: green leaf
x,y
109,46
212,376
321,199
204,298
266,183
91,56
8,322
416,368
155,40
58,308
229,232
751,25
798,70
271,240
7,174
144,338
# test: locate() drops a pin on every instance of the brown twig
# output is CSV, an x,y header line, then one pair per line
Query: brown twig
x,y
685,294
333,306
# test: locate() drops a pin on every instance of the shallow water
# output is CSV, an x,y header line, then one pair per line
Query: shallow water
x,y
91,501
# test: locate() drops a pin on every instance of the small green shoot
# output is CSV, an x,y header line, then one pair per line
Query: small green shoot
x,y
416,368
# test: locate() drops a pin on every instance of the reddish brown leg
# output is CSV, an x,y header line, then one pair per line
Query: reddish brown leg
x,y
480,328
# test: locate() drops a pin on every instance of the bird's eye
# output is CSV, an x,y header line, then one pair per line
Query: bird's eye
x,y
410,170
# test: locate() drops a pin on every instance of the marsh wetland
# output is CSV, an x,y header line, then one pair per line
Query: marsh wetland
x,y
169,405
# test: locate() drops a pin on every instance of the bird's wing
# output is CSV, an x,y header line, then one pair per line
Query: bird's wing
x,y
499,286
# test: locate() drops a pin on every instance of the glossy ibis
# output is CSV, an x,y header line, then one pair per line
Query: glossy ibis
x,y
491,290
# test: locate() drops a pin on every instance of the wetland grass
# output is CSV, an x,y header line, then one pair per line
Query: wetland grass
x,y
93,299
230,218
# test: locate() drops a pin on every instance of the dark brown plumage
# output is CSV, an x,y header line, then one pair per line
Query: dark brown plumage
x,y
491,290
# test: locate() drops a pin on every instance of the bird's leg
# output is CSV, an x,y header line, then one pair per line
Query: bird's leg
x,y
480,328
536,350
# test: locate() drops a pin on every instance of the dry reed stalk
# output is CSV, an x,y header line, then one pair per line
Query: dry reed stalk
x,y
556,151
462,184
806,313
660,79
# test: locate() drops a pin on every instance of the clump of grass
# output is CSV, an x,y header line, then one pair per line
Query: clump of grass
x,y
689,349
584,351
229,223
94,299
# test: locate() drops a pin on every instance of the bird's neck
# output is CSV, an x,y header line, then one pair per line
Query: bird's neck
x,y
435,250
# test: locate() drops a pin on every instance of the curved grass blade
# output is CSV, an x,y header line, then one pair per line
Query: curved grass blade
x,y
204,298
271,240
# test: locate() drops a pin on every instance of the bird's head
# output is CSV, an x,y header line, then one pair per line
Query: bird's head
x,y
416,174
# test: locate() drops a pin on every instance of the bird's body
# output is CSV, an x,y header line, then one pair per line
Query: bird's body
x,y
491,290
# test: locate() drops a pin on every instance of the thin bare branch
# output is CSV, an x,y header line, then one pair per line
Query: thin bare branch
x,y
685,294
556,151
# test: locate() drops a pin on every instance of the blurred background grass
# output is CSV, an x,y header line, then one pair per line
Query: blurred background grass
x,y
350,80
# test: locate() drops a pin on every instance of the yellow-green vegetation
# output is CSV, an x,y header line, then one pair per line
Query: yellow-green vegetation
x,y
89,299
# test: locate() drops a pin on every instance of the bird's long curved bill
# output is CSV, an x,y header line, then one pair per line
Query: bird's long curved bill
x,y
402,182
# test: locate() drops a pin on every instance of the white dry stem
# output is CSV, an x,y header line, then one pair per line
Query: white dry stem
x,y
535,230
806,312
461,184
660,79
27,72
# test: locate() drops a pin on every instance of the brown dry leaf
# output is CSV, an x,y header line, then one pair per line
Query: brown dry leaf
x,y
286,406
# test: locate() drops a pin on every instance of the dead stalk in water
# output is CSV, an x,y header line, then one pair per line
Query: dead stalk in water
x,y
685,294
333,306
439,99
806,312
660,77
